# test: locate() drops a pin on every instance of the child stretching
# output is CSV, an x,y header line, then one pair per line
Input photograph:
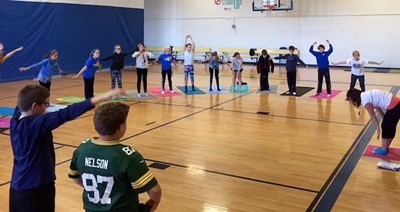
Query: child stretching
x,y
166,59
142,65
357,69
323,66
4,58
291,69
49,65
213,66
88,71
188,61
33,176
116,66
118,171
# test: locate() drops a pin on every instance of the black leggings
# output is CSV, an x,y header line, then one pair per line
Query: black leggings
x,y
163,74
389,123
89,87
45,84
141,72
211,70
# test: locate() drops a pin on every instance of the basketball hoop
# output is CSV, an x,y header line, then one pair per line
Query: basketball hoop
x,y
269,7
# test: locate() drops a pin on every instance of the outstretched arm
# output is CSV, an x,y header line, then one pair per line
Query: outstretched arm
x,y
80,72
374,120
8,55
374,62
34,65
311,50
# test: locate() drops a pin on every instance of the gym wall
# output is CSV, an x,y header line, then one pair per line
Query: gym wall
x,y
71,28
367,26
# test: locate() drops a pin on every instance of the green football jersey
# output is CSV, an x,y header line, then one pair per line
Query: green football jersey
x,y
112,175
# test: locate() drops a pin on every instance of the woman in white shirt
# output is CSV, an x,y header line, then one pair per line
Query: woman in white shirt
x,y
377,101
142,64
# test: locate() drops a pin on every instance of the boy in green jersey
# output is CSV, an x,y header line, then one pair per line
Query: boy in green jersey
x,y
112,174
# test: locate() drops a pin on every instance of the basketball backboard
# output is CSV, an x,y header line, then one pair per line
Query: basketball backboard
x,y
265,5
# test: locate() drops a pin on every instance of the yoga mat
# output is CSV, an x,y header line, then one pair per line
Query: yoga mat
x,y
273,89
324,94
54,108
157,91
133,94
245,89
190,92
394,154
7,111
71,99
215,91
5,122
300,91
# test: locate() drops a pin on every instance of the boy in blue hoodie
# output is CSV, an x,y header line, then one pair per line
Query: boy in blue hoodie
x,y
323,66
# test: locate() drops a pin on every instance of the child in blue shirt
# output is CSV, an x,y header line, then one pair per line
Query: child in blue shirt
x,y
323,66
88,71
33,175
166,69
49,64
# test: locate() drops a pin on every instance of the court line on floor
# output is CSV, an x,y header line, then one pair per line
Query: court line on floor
x,y
330,191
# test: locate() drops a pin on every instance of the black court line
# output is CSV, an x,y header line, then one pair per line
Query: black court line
x,y
5,183
59,147
291,117
330,191
236,176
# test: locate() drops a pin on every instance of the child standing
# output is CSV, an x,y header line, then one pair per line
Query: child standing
x,y
323,66
32,182
213,67
142,65
88,71
166,69
291,69
4,58
118,170
49,65
264,66
237,68
188,61
357,69
377,101
116,66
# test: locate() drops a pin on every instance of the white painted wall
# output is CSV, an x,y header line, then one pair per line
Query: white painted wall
x,y
372,27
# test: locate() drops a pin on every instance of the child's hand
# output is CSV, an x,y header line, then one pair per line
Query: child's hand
x,y
19,49
328,41
76,76
315,42
1,47
23,69
115,92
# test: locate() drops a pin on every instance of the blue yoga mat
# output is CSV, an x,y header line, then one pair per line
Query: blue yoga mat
x,y
7,111
245,89
190,92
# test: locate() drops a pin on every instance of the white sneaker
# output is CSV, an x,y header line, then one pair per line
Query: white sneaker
x,y
122,97
294,93
316,94
138,95
171,91
162,92
328,95
287,92
145,94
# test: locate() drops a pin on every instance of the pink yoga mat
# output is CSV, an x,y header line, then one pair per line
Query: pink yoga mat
x,y
5,122
324,94
157,91
394,154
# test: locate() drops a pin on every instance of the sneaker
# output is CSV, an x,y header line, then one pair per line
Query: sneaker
x,y
145,94
379,151
316,94
122,97
328,95
287,92
193,89
113,97
171,91
162,92
294,93
218,89
210,89
138,95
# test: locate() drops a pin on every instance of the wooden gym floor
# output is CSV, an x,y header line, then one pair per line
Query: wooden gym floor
x,y
224,156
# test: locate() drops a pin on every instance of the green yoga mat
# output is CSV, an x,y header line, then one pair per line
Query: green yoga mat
x,y
245,89
71,99
190,92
